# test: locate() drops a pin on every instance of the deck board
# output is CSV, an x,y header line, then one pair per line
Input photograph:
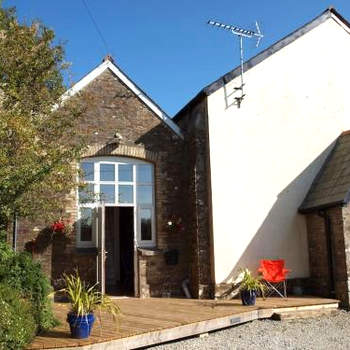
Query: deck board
x,y
153,320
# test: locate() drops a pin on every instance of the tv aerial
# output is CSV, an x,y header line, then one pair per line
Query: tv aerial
x,y
240,32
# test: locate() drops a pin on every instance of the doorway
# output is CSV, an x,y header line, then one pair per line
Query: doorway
x,y
119,246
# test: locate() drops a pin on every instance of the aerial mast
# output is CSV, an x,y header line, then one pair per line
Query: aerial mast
x,y
240,32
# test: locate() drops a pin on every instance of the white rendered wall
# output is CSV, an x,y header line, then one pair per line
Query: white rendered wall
x,y
265,155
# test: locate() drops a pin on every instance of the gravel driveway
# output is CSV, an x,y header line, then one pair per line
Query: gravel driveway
x,y
326,332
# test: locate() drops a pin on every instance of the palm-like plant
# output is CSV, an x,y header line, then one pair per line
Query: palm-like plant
x,y
86,299
251,283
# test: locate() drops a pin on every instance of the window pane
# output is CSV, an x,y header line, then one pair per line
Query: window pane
x,y
88,171
125,172
86,224
144,194
146,224
107,172
107,193
144,173
86,194
126,194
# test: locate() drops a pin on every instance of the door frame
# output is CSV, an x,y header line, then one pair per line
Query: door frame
x,y
101,250
100,222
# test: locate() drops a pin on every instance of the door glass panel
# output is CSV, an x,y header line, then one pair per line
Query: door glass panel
x,y
86,194
144,194
126,194
144,173
86,224
107,172
107,193
146,224
125,172
88,171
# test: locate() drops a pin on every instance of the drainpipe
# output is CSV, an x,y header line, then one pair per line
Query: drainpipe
x,y
328,230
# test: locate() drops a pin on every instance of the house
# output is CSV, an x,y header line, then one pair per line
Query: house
x,y
218,187
262,158
135,163
326,208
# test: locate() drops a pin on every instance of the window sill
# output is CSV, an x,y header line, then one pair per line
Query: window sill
x,y
150,251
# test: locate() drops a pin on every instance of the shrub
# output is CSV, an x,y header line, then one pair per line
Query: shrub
x,y
17,324
20,272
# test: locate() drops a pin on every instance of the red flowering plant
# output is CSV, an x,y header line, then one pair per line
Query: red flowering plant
x,y
61,227
174,224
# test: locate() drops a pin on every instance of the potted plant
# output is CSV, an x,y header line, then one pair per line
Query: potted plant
x,y
249,288
85,300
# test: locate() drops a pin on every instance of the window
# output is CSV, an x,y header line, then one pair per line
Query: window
x,y
107,172
87,169
145,204
126,194
125,172
145,194
107,193
146,224
86,224
116,181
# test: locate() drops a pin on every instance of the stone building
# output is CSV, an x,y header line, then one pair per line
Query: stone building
x,y
326,208
136,166
225,183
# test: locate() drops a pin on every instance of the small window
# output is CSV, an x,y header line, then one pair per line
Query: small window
x,y
86,193
107,172
146,224
144,173
107,193
88,171
144,194
126,194
125,172
86,224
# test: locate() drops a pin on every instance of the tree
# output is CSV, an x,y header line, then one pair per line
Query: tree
x,y
39,134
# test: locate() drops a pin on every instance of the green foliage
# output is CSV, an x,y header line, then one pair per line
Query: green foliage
x,y
249,282
21,273
17,324
86,299
40,136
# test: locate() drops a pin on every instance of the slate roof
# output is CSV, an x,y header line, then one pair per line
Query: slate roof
x,y
331,186
330,12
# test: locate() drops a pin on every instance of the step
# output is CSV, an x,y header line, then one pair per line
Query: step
x,y
282,316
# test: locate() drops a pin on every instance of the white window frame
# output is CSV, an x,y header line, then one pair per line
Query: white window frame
x,y
152,242
137,207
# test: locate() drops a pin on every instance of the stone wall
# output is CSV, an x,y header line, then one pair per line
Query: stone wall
x,y
194,121
144,136
329,243
319,267
343,286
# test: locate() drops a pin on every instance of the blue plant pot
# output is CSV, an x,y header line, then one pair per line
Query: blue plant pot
x,y
80,326
248,297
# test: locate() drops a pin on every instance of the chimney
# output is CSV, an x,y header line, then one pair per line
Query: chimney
x,y
108,58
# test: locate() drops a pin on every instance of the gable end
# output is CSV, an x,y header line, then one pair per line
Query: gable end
x,y
107,64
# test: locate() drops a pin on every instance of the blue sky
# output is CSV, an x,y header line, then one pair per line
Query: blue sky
x,y
165,46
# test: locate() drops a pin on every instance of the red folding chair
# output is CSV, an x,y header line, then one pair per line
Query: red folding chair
x,y
274,275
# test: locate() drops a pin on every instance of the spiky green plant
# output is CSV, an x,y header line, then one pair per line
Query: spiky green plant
x,y
87,299
249,282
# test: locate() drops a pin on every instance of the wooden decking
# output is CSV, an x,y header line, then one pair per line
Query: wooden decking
x,y
152,321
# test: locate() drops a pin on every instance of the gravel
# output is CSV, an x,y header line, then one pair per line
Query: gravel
x,y
326,332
